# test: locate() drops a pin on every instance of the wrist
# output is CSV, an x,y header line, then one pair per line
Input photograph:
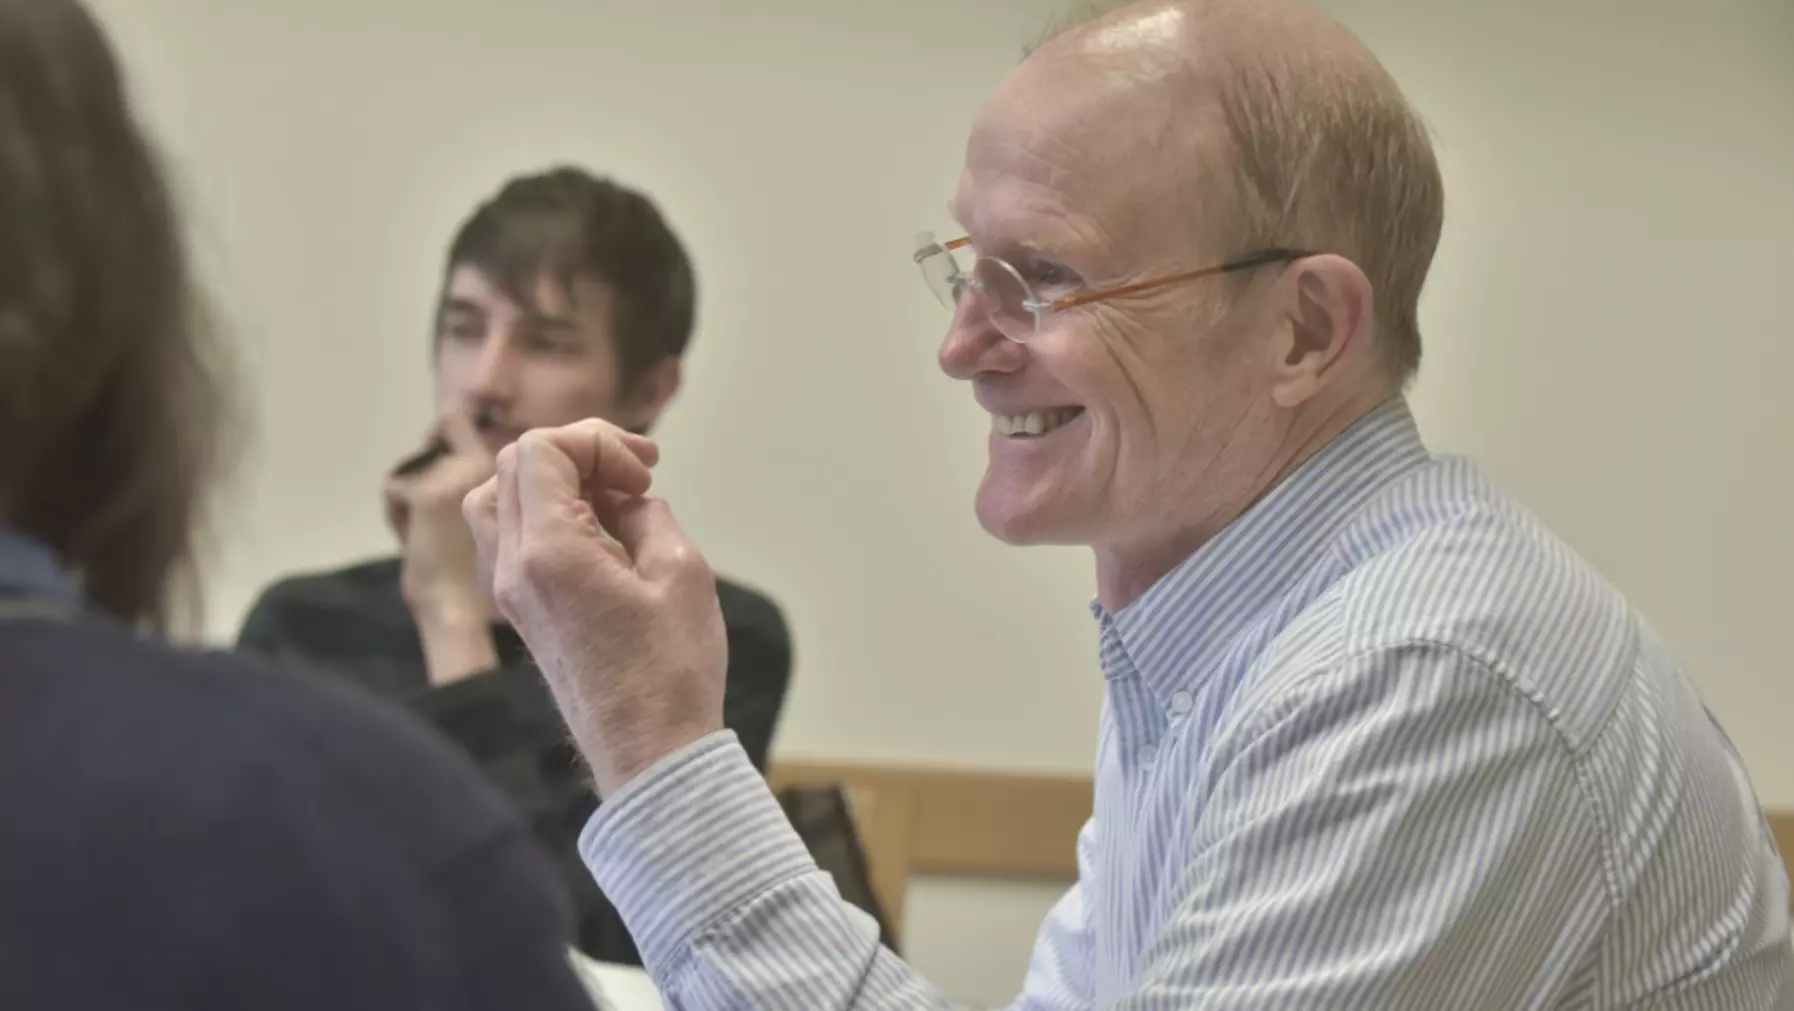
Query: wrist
x,y
448,608
457,642
613,767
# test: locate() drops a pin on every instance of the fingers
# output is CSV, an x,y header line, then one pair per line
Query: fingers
x,y
595,445
457,429
646,529
396,494
492,515
480,509
438,479
508,557
601,457
547,486
605,505
557,498
645,449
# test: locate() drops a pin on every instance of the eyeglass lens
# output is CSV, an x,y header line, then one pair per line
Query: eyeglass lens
x,y
1005,298
941,271
1000,291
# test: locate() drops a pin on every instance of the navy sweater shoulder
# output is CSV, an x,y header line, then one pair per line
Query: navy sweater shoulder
x,y
198,831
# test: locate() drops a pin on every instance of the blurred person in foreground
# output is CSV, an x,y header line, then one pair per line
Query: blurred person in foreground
x,y
1373,737
564,296
183,830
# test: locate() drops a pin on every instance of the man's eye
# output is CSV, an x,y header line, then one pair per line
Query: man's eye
x,y
558,345
462,331
1048,275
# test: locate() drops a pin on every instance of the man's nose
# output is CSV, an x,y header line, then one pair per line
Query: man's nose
x,y
974,347
495,372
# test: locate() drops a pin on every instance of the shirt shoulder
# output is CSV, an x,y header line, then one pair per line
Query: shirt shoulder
x,y
1445,559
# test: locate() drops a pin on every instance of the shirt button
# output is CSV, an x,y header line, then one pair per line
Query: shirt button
x,y
1182,703
1149,754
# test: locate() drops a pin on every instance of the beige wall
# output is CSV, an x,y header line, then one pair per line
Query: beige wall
x,y
1608,328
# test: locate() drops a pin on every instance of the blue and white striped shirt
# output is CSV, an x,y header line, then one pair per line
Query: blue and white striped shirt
x,y
1383,743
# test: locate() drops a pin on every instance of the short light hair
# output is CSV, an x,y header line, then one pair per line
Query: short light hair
x,y
1328,155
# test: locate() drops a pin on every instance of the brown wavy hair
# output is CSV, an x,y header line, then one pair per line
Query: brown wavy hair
x,y
113,415
567,223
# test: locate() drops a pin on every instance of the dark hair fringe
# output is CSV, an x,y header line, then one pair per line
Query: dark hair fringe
x,y
568,224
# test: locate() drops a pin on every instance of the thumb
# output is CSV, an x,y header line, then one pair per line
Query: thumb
x,y
645,528
645,449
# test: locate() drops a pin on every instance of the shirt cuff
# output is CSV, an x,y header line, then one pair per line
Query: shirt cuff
x,y
688,843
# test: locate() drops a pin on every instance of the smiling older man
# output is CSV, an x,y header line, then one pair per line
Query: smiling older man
x,y
1373,737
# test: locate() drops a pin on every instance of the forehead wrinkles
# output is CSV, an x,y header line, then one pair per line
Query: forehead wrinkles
x,y
1009,162
1125,159
1040,184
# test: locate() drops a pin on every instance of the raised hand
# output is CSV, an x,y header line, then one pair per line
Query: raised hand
x,y
617,606
439,569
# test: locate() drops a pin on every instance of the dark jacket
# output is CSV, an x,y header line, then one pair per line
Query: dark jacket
x,y
353,624
200,832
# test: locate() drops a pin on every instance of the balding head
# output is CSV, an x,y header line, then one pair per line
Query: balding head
x,y
1282,124
1201,231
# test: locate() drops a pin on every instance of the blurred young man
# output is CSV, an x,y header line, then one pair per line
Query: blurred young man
x,y
564,297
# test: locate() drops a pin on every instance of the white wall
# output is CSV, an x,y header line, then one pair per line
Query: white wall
x,y
1608,327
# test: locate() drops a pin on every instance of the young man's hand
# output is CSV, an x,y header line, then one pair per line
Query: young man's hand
x,y
439,568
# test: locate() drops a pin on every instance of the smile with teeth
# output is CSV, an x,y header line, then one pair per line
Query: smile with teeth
x,y
1034,423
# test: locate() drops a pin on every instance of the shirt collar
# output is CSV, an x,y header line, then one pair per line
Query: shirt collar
x,y
30,569
1175,632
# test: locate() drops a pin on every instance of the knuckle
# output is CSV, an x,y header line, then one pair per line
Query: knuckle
x,y
598,432
690,563
474,504
537,562
507,589
529,444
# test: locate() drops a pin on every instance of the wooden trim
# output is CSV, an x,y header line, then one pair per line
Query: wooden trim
x,y
886,815
937,821
1782,824
997,825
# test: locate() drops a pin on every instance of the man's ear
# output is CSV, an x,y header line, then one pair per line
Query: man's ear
x,y
1328,316
650,394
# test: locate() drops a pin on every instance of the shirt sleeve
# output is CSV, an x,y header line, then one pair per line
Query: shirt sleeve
x,y
1405,833
1060,972
729,909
